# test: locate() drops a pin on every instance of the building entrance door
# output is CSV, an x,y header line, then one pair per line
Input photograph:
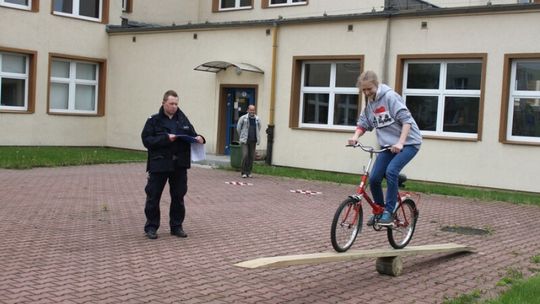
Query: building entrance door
x,y
238,100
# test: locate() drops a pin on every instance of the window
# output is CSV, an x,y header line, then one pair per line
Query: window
x,y
17,81
444,96
83,9
21,4
325,95
225,5
280,3
521,101
75,86
127,6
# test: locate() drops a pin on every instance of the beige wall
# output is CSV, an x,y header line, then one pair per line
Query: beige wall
x,y
314,8
142,71
141,66
175,54
481,163
306,148
486,162
456,3
45,33
166,12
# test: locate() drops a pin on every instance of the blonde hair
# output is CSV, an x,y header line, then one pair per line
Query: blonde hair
x,y
368,76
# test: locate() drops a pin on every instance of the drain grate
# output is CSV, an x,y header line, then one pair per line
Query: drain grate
x,y
465,230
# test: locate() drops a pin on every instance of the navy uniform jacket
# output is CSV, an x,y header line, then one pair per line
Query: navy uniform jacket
x,y
164,155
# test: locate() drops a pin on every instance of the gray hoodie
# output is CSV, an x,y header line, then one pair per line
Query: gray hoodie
x,y
387,114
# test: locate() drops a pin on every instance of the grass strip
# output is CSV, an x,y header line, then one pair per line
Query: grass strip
x,y
19,157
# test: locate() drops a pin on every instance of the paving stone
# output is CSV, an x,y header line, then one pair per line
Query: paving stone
x,y
75,235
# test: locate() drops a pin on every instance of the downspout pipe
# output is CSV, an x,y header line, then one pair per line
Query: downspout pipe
x,y
385,71
390,7
270,129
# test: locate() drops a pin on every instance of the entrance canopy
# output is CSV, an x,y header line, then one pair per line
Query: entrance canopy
x,y
216,66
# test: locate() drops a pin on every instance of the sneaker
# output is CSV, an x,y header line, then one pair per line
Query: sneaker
x,y
244,175
249,175
386,219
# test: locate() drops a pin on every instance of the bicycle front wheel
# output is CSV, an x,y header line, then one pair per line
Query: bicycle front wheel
x,y
346,224
405,219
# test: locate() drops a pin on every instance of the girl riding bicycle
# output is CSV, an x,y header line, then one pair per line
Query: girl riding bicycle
x,y
395,127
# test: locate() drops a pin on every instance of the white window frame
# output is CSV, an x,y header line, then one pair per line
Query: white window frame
x,y
13,5
24,76
236,6
514,93
72,83
332,90
289,3
441,93
127,6
76,9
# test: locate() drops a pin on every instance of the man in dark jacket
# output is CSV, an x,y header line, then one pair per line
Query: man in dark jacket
x,y
168,136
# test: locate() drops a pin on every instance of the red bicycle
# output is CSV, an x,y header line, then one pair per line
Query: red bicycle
x,y
347,222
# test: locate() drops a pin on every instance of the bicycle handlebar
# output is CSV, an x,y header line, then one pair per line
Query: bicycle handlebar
x,y
369,148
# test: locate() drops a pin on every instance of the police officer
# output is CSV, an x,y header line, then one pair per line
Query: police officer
x,y
167,135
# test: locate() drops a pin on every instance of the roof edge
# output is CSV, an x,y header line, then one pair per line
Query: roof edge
x,y
132,27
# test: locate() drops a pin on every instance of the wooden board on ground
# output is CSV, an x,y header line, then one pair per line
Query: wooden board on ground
x,y
323,257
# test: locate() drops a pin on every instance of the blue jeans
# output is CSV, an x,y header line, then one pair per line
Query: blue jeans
x,y
390,164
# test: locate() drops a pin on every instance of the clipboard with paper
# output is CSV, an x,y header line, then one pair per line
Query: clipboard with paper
x,y
186,138
198,152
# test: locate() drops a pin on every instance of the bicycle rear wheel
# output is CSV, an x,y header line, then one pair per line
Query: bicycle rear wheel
x,y
346,224
401,233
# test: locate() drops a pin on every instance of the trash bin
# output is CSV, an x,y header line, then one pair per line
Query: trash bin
x,y
236,155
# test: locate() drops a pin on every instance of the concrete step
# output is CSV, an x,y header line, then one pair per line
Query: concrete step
x,y
215,161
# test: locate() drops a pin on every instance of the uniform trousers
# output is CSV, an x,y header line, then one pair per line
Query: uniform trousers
x,y
154,188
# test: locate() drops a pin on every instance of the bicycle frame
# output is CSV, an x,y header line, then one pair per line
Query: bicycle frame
x,y
361,189
364,180
347,221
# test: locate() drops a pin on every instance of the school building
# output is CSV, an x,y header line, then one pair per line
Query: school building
x,y
89,73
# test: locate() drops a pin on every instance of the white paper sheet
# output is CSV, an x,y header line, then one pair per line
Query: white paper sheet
x,y
198,152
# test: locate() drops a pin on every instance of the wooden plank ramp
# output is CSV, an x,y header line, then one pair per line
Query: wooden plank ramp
x,y
323,257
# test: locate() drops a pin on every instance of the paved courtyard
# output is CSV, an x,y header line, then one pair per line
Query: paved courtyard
x,y
75,235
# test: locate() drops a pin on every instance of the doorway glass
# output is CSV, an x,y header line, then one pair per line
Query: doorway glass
x,y
238,100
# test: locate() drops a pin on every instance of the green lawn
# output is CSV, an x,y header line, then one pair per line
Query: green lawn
x,y
522,292
30,157
414,186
